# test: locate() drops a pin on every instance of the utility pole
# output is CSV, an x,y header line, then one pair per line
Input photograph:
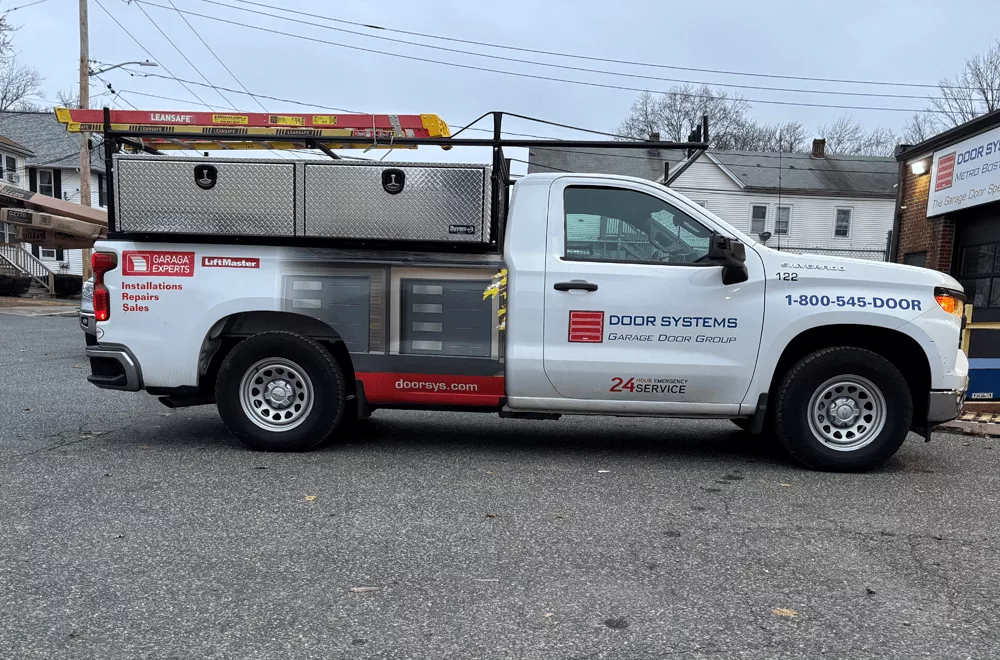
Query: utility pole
x,y
84,137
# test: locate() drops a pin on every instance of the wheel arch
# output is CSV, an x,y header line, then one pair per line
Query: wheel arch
x,y
230,330
899,348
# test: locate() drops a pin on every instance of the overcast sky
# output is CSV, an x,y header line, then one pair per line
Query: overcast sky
x,y
912,41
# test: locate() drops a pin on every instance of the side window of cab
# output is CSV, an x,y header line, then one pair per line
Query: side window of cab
x,y
627,226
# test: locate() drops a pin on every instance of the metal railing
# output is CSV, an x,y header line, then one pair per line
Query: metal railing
x,y
871,254
30,265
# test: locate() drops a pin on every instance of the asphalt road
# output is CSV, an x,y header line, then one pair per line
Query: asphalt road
x,y
131,531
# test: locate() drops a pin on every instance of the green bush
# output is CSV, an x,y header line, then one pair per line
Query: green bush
x,y
68,286
14,285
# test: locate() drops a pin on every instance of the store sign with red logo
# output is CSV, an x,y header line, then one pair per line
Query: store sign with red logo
x,y
945,172
586,327
149,263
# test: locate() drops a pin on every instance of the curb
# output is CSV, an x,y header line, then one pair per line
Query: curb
x,y
39,311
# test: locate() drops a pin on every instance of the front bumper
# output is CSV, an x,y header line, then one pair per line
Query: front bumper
x,y
114,368
944,405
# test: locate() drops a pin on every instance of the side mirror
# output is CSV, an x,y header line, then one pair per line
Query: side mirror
x,y
731,255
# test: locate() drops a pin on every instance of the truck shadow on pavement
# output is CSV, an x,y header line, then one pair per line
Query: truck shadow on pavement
x,y
675,440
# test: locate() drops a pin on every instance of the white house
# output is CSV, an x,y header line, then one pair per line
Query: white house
x,y
812,202
48,162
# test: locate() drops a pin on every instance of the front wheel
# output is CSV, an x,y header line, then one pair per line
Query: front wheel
x,y
278,391
843,409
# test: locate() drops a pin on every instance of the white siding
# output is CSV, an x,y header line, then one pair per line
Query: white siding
x,y
705,175
812,216
71,187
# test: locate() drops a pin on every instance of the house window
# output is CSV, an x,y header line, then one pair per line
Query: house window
x,y
916,259
10,173
6,233
45,183
758,219
842,225
46,253
783,221
101,191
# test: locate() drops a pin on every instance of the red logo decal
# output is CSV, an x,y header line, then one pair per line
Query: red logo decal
x,y
945,172
586,327
230,262
164,264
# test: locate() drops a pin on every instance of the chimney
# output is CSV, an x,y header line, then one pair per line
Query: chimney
x,y
654,136
819,148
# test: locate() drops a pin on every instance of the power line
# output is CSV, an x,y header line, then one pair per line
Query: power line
x,y
30,4
563,66
156,96
143,74
601,59
531,75
146,50
179,51
218,59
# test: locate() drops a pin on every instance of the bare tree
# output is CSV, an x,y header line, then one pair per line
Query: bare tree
x,y
849,136
18,82
752,136
973,92
673,115
921,126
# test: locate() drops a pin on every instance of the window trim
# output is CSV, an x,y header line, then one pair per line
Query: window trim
x,y
777,218
51,184
655,264
767,211
850,222
43,250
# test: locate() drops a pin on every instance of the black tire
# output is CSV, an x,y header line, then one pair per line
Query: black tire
x,y
819,373
324,380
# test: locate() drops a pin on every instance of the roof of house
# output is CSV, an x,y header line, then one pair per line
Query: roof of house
x,y
10,145
862,176
48,140
642,163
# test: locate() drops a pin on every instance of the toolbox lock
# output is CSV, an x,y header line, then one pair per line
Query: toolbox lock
x,y
205,176
393,180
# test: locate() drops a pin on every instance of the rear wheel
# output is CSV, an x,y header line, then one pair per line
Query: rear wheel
x,y
278,391
844,409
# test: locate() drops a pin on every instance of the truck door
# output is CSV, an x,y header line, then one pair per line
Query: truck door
x,y
634,311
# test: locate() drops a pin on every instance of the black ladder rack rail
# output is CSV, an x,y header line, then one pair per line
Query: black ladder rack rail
x,y
115,140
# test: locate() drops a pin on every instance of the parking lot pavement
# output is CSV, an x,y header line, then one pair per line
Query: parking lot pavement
x,y
131,531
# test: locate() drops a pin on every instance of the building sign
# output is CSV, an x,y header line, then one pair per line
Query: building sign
x,y
966,174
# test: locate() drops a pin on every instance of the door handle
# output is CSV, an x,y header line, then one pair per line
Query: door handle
x,y
575,284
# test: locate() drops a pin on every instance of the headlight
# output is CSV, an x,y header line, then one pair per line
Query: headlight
x,y
950,301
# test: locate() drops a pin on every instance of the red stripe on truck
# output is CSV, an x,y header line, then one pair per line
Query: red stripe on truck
x,y
433,389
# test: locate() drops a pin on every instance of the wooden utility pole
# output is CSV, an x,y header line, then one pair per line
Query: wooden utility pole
x,y
84,137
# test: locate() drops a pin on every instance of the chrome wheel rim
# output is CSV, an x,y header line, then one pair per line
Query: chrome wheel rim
x,y
847,413
276,394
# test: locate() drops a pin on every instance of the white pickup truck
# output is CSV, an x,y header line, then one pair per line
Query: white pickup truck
x,y
623,298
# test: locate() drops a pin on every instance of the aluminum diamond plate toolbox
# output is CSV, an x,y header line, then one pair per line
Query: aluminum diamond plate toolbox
x,y
205,196
397,201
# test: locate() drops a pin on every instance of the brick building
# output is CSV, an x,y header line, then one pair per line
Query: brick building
x,y
948,218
